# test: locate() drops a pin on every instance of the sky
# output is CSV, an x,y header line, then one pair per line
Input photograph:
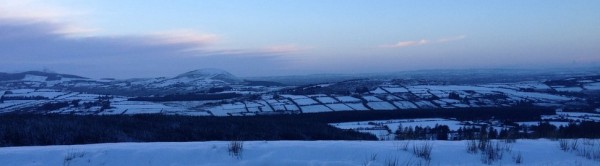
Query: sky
x,y
153,38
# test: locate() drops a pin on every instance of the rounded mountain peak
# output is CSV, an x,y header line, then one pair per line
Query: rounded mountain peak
x,y
210,73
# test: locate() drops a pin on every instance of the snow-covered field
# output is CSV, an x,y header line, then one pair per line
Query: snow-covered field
x,y
357,106
327,100
142,107
381,133
306,101
381,105
384,97
315,108
288,153
372,99
425,104
339,107
592,86
348,99
397,90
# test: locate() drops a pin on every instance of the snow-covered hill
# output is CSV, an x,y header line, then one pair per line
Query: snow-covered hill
x,y
37,76
197,78
210,73
201,79
289,153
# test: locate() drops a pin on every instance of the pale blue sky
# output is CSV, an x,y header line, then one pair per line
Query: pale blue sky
x,y
280,37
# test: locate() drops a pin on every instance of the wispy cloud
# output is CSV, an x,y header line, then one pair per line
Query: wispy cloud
x,y
411,43
406,43
26,9
286,48
65,22
186,36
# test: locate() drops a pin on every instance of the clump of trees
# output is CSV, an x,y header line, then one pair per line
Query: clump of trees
x,y
585,129
439,132
508,133
54,106
460,114
454,95
103,102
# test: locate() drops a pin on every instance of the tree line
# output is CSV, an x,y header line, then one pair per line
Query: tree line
x,y
57,129
54,129
188,97
587,129
529,113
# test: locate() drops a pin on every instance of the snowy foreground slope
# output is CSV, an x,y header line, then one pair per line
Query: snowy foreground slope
x,y
289,153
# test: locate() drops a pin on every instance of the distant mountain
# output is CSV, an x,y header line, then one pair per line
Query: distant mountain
x,y
36,75
189,82
209,74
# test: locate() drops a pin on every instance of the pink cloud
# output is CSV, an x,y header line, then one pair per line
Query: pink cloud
x,y
406,44
196,41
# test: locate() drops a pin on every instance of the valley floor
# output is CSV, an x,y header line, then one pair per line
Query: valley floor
x,y
288,153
